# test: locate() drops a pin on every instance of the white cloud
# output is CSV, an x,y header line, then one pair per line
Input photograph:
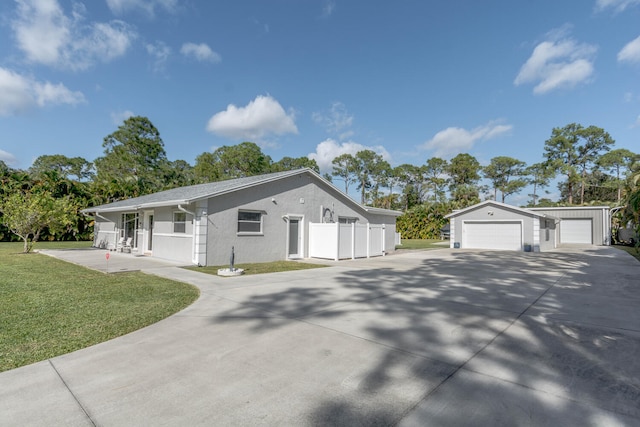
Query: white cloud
x,y
47,36
120,116
261,118
8,158
329,149
616,5
557,63
147,7
201,52
21,93
630,52
328,8
337,121
160,53
454,140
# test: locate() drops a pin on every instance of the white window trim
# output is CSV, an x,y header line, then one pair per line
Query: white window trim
x,y
251,233
174,222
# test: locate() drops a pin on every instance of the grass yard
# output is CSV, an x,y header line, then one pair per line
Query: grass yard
x,y
49,307
260,268
423,244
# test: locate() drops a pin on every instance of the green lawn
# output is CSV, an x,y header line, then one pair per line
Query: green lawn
x,y
260,268
49,307
423,244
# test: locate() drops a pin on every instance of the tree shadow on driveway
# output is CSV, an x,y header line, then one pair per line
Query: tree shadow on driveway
x,y
470,338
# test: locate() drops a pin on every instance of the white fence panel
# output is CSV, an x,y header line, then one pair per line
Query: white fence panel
x,y
376,240
361,241
346,241
323,240
342,241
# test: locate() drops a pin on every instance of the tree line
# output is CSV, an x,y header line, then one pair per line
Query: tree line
x,y
45,200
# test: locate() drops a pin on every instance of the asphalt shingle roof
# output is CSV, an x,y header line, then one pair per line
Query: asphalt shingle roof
x,y
184,195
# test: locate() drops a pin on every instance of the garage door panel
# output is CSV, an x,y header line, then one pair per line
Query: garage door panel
x,y
576,231
492,235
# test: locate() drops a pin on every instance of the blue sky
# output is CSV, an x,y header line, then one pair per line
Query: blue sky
x,y
409,79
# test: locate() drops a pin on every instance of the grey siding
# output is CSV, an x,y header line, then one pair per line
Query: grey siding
x,y
548,228
493,213
166,243
105,232
297,195
599,215
211,227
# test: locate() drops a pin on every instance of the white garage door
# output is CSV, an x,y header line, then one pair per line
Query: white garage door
x,y
492,235
576,231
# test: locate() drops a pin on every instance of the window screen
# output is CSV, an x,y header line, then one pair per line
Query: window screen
x,y
249,222
179,222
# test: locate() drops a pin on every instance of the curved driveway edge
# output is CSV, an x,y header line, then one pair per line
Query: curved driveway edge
x,y
445,337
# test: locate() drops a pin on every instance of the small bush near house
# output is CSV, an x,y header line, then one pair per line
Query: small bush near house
x,y
424,221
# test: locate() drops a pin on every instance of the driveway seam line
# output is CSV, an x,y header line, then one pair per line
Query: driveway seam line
x,y
72,393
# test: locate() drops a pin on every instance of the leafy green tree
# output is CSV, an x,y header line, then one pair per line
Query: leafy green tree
x,y
595,141
344,168
506,174
435,171
411,178
464,173
178,173
293,163
631,211
394,180
598,187
134,160
367,170
380,177
424,221
228,162
572,150
27,214
539,175
206,169
617,161
64,166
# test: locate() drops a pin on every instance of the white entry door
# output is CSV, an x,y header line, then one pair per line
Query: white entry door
x,y
576,231
501,235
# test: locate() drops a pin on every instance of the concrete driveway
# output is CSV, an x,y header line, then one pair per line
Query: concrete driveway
x,y
439,338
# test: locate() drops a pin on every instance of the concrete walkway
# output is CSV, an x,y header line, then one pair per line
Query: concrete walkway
x,y
438,338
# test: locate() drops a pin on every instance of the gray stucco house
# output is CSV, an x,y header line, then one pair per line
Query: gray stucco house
x,y
265,218
495,225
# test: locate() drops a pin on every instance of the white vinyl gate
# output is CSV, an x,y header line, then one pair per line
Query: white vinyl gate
x,y
342,241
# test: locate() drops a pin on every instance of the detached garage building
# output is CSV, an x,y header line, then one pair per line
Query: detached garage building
x,y
590,225
498,226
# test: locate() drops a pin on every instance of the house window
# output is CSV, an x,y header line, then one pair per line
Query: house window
x,y
130,225
179,222
347,220
249,222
